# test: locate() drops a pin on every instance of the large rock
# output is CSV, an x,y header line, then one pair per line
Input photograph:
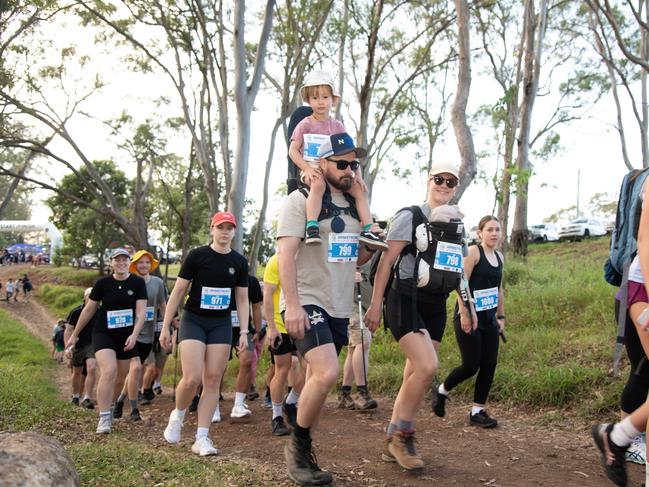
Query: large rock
x,y
34,460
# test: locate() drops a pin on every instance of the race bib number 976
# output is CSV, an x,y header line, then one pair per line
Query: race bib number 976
x,y
486,298
215,297
448,257
343,247
119,318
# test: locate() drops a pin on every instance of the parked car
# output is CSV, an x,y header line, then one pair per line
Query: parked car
x,y
89,260
582,228
472,237
543,232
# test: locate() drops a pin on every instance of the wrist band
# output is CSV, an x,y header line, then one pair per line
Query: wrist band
x,y
501,317
243,332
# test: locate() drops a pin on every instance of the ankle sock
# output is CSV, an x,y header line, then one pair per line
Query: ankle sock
x,y
346,389
105,414
476,409
86,397
75,396
623,432
277,409
179,414
311,223
366,228
405,425
238,398
202,432
156,384
442,390
302,433
390,429
292,397
133,404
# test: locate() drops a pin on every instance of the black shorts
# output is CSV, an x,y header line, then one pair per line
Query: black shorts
x,y
143,350
324,329
80,354
285,347
210,330
235,341
114,340
430,315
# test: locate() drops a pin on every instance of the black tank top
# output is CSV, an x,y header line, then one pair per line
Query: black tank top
x,y
484,283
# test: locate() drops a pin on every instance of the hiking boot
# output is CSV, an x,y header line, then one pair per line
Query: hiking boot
x,y
615,469
483,420
194,404
312,236
373,241
87,403
279,427
290,411
135,415
240,411
105,424
637,452
386,456
203,446
118,409
252,394
75,401
345,400
157,389
173,429
402,448
301,464
364,401
439,403
147,396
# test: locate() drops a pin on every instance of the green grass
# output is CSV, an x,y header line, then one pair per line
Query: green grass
x,y
59,299
66,275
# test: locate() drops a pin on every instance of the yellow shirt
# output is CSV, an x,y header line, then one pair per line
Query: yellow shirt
x,y
271,276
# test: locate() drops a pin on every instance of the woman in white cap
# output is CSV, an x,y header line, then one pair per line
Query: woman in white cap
x,y
123,307
416,305
217,275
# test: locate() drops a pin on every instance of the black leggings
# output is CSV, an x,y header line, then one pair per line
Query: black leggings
x,y
635,390
479,352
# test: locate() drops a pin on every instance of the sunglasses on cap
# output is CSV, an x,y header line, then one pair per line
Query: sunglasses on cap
x,y
450,182
342,165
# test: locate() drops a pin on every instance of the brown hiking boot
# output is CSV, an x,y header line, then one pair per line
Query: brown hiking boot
x,y
345,400
402,448
386,456
364,401
301,463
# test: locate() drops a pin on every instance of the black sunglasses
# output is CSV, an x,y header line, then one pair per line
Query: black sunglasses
x,y
342,165
450,182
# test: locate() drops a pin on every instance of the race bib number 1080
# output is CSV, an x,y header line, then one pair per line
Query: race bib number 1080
x,y
486,298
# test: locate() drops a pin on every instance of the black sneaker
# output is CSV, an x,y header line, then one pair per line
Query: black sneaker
x,y
302,465
252,394
616,469
147,396
157,390
373,241
312,236
87,403
75,401
135,415
118,409
290,411
194,404
482,419
439,403
279,427
220,397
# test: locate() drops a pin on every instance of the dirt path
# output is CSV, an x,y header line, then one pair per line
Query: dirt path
x,y
521,452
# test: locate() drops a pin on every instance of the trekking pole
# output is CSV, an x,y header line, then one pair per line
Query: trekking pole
x,y
173,395
362,326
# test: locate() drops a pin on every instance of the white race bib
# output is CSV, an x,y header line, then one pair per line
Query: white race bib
x,y
312,143
343,247
215,297
119,318
486,298
234,317
149,314
157,328
448,257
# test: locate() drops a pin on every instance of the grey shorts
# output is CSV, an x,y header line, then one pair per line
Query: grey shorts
x,y
79,355
158,357
210,330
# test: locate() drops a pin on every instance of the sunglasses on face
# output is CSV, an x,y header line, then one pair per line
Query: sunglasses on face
x,y
450,182
342,165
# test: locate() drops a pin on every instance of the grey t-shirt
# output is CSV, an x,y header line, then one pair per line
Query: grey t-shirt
x,y
321,280
156,295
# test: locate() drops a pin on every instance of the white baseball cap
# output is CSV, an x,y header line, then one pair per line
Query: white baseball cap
x,y
443,167
317,78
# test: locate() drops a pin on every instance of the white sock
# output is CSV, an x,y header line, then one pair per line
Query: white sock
x,y
202,433
238,398
105,413
86,397
179,414
624,432
75,396
442,390
156,384
476,409
277,409
292,397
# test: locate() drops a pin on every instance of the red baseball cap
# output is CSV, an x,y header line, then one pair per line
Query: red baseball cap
x,y
223,217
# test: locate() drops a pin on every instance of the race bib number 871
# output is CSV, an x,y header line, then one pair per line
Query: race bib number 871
x,y
448,257
215,297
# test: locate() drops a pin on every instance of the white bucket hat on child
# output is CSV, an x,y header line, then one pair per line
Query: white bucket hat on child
x,y
317,78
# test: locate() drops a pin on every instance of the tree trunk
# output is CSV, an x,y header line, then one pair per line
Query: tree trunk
x,y
458,111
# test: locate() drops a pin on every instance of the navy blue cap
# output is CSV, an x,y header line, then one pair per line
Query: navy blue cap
x,y
339,145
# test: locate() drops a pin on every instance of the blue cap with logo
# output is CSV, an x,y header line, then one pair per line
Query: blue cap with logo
x,y
339,145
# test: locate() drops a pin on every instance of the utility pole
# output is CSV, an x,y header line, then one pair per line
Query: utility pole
x,y
578,182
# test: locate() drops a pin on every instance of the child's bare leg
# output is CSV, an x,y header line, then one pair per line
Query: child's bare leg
x,y
362,206
313,207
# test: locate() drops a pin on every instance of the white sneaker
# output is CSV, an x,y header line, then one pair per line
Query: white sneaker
x,y
216,418
637,452
172,431
204,447
241,411
105,425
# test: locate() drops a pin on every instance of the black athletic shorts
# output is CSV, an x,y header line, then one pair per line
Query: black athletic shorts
x,y
286,346
210,330
235,341
114,340
324,329
143,350
430,315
